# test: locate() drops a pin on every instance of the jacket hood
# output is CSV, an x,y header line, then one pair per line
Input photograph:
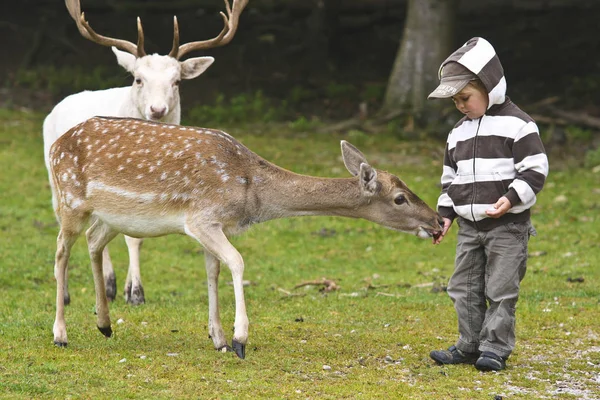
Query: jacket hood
x,y
479,57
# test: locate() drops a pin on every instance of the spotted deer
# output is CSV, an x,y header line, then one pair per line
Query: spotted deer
x,y
148,179
154,95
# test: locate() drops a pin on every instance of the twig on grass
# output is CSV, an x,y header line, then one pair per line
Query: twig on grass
x,y
290,294
328,284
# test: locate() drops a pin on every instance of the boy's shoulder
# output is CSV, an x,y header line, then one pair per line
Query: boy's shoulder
x,y
509,109
506,109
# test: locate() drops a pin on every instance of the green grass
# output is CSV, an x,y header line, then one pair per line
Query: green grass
x,y
376,341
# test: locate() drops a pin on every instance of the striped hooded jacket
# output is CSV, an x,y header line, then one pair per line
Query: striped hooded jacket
x,y
499,154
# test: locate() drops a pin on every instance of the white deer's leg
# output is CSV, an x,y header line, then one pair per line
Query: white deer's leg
x,y
64,242
214,241
98,236
108,272
134,292
215,329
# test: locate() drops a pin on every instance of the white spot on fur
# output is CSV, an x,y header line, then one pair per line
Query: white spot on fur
x,y
93,186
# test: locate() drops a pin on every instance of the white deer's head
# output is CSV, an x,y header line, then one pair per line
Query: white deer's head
x,y
155,88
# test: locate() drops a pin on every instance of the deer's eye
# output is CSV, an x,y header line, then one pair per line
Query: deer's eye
x,y
400,199
138,81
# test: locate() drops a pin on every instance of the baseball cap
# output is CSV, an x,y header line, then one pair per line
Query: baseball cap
x,y
454,77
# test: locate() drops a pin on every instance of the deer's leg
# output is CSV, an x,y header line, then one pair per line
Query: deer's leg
x,y
66,295
64,243
98,236
214,241
215,329
134,292
110,279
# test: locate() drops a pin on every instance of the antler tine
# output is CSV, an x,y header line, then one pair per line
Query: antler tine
x,y
87,32
140,43
175,49
230,22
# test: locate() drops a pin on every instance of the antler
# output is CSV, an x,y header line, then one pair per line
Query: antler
x,y
230,22
87,32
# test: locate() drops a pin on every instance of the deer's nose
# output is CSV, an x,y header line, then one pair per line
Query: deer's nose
x,y
158,111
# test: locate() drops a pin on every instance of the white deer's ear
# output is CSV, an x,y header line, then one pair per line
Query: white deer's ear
x,y
193,67
352,157
368,179
125,59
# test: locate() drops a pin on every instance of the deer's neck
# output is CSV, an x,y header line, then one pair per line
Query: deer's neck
x,y
286,194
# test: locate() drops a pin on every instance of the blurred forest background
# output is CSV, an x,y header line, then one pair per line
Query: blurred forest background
x,y
308,60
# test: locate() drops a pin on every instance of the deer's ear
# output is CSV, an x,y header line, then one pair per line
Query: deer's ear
x,y
125,59
352,157
368,179
193,67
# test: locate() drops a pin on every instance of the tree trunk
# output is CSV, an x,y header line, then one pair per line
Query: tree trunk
x,y
427,40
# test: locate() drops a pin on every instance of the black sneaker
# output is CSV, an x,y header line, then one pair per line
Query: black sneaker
x,y
490,362
453,356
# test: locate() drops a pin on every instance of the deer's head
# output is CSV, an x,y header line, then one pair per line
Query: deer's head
x,y
390,202
156,78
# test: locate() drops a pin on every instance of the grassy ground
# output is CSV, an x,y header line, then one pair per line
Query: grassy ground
x,y
374,334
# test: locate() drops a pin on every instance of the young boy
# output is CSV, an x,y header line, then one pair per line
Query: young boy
x,y
494,165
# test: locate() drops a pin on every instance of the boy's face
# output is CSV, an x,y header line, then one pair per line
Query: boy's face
x,y
471,101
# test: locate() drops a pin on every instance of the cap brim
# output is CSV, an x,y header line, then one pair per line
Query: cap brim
x,y
448,89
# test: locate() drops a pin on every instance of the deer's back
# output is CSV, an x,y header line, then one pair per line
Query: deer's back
x,y
108,164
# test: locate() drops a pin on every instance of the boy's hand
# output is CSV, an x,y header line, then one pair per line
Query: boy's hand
x,y
447,224
500,208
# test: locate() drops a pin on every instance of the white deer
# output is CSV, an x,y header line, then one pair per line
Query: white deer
x,y
148,179
154,95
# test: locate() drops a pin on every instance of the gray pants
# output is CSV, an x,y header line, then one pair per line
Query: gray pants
x,y
485,285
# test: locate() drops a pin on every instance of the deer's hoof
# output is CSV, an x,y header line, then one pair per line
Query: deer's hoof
x,y
106,331
240,349
60,344
111,287
135,296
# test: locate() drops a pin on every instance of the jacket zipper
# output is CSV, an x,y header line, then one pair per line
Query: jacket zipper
x,y
474,176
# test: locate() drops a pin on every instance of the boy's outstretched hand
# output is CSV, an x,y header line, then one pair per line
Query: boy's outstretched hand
x,y
447,223
500,208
